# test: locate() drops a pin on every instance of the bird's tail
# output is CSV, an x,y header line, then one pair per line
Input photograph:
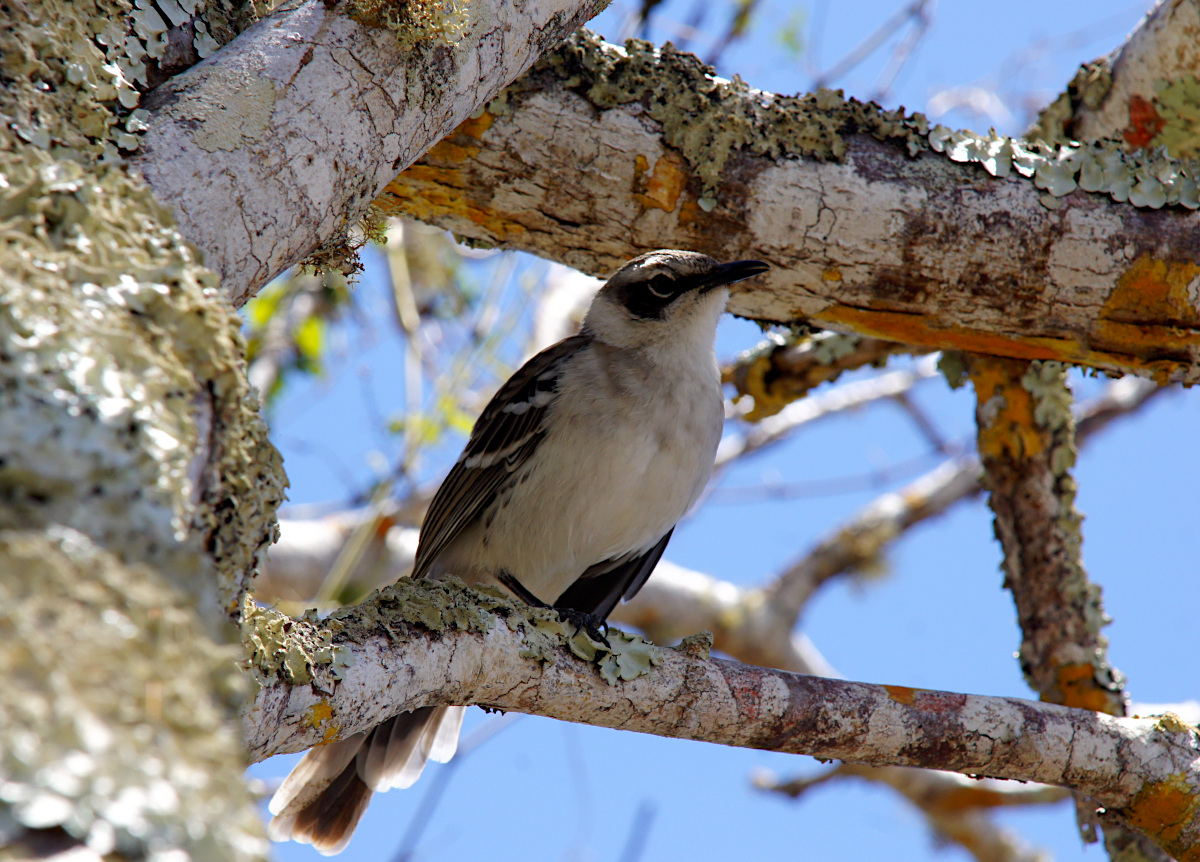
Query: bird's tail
x,y
322,799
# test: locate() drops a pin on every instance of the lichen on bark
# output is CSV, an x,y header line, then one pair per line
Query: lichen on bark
x,y
137,484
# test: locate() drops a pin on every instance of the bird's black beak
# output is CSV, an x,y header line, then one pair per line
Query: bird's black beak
x,y
728,273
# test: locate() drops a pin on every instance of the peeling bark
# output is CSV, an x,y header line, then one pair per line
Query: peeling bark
x,y
284,137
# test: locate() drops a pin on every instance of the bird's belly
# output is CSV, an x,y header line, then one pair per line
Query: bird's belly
x,y
621,490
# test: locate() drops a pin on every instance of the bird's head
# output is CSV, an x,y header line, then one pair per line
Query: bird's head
x,y
665,296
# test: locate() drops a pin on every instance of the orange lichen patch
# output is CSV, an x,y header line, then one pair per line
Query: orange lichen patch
x,y
689,213
1077,687
1162,809
662,188
831,274
1011,432
474,127
902,694
1144,122
1116,345
319,714
924,700
1156,291
427,193
461,145
922,330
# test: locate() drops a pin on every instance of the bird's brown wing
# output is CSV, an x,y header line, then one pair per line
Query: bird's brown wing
x,y
503,439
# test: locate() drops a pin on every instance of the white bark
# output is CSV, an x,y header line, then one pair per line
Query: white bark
x,y
282,138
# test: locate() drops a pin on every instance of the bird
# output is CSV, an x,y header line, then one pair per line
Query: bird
x,y
566,494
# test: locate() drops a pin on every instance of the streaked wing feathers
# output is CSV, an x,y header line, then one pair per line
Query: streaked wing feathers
x,y
505,436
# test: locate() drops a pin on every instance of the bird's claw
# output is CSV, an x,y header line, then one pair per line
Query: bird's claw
x,y
589,623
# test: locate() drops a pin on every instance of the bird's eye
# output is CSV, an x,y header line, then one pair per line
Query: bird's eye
x,y
662,286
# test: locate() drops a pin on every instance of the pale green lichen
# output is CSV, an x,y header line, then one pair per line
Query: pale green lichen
x,y
1178,103
708,119
1046,382
118,709
439,606
277,644
61,92
339,252
123,362
628,657
953,366
1145,178
227,108
831,347
698,645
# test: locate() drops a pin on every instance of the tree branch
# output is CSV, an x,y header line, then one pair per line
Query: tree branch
x,y
783,370
953,805
283,138
1027,444
772,428
417,645
864,236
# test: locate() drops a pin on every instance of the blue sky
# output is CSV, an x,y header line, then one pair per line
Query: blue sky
x,y
937,618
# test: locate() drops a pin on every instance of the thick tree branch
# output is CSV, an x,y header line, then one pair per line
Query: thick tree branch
x,y
601,152
467,651
283,138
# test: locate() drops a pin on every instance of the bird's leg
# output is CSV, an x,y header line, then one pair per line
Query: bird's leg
x,y
518,589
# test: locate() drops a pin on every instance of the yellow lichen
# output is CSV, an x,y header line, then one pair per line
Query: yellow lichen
x,y
662,188
1007,429
413,21
1167,292
1164,809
